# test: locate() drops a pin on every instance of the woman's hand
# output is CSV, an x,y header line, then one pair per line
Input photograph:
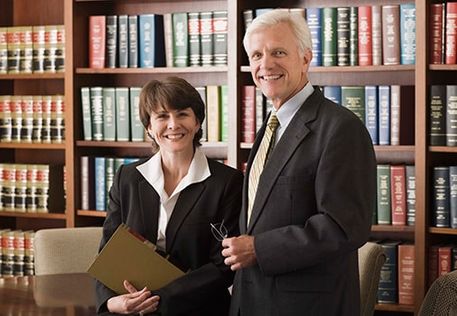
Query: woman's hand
x,y
133,302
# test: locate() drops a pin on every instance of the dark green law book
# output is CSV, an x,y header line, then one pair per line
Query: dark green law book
x,y
354,37
220,27
194,39
137,131
109,115
123,33
343,36
329,37
384,213
122,114
111,41
133,41
180,40
353,98
207,38
86,115
437,110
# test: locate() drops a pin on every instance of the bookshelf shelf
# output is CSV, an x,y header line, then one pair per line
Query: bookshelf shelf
x,y
60,216
32,146
443,149
158,70
91,213
392,228
443,67
445,231
395,308
32,76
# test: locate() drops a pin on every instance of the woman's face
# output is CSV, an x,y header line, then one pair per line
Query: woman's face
x,y
174,130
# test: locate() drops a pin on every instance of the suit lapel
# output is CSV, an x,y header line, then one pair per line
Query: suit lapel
x,y
286,147
150,204
186,201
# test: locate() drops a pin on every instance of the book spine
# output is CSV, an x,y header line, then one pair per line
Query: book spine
x,y
220,28
122,114
313,16
100,184
248,16
435,31
193,19
353,98
410,195
57,119
180,40
453,196
27,119
38,38
451,115
371,112
398,194
97,28
109,178
354,36
3,50
16,118
50,47
109,115
384,215
437,115
133,41
14,50
343,34
85,183
388,284
96,98
137,129
406,271
259,109
214,112
333,93
5,119
204,127
224,113
123,33
168,37
391,34
444,260
207,38
38,118
86,113
248,114
60,49
111,41
365,39
441,197
20,190
408,33
395,115
26,57
47,114
384,115
451,33
432,264
376,37
329,36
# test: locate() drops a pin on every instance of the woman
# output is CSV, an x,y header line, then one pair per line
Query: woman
x,y
172,199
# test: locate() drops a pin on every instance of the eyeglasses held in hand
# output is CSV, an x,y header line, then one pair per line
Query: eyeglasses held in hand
x,y
219,231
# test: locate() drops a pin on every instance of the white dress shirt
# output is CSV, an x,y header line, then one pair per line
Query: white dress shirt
x,y
153,173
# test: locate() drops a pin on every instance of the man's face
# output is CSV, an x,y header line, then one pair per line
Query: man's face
x,y
277,67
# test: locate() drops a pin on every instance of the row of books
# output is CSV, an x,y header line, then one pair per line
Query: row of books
x,y
112,113
444,199
32,49
364,35
97,174
32,119
178,39
16,253
442,260
443,33
396,283
443,115
396,195
32,188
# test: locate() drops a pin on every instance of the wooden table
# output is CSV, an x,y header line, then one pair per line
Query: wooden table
x,y
59,294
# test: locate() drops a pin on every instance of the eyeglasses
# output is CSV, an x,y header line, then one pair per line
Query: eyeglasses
x,y
219,231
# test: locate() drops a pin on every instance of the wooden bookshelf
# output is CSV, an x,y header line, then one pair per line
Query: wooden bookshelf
x,y
74,15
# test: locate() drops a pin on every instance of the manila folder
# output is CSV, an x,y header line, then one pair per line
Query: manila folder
x,y
130,257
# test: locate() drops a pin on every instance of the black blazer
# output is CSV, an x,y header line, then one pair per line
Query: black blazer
x,y
189,241
311,213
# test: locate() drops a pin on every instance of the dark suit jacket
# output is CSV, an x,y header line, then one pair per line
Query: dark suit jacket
x,y
311,213
189,241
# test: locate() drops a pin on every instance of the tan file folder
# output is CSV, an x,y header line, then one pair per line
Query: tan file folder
x,y
127,256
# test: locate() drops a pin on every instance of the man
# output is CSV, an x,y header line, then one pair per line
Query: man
x,y
309,209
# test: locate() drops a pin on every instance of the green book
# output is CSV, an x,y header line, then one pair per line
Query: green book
x,y
122,114
109,115
353,98
180,40
137,131
85,109
329,37
207,38
354,37
383,195
96,105
224,113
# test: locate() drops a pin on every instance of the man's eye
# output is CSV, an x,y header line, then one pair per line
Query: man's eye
x,y
280,53
256,56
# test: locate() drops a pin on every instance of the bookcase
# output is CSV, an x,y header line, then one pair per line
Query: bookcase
x,y
74,15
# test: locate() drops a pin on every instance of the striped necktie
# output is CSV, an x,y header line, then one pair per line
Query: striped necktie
x,y
264,150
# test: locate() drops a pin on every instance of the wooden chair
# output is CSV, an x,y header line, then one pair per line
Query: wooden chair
x,y
441,298
66,250
371,259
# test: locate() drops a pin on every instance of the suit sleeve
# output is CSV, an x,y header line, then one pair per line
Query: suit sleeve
x,y
198,286
345,195
112,221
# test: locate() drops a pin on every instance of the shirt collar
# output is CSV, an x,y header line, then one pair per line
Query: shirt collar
x,y
152,171
287,111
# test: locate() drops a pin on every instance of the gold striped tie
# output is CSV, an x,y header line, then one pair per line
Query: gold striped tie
x,y
264,150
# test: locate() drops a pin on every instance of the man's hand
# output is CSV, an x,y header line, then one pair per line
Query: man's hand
x,y
239,252
133,302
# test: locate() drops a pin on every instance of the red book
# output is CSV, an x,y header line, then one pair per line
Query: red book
x,y
451,33
444,260
436,33
248,114
365,39
398,194
406,267
432,264
97,34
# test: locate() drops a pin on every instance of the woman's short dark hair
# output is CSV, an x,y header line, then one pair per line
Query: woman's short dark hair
x,y
172,93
